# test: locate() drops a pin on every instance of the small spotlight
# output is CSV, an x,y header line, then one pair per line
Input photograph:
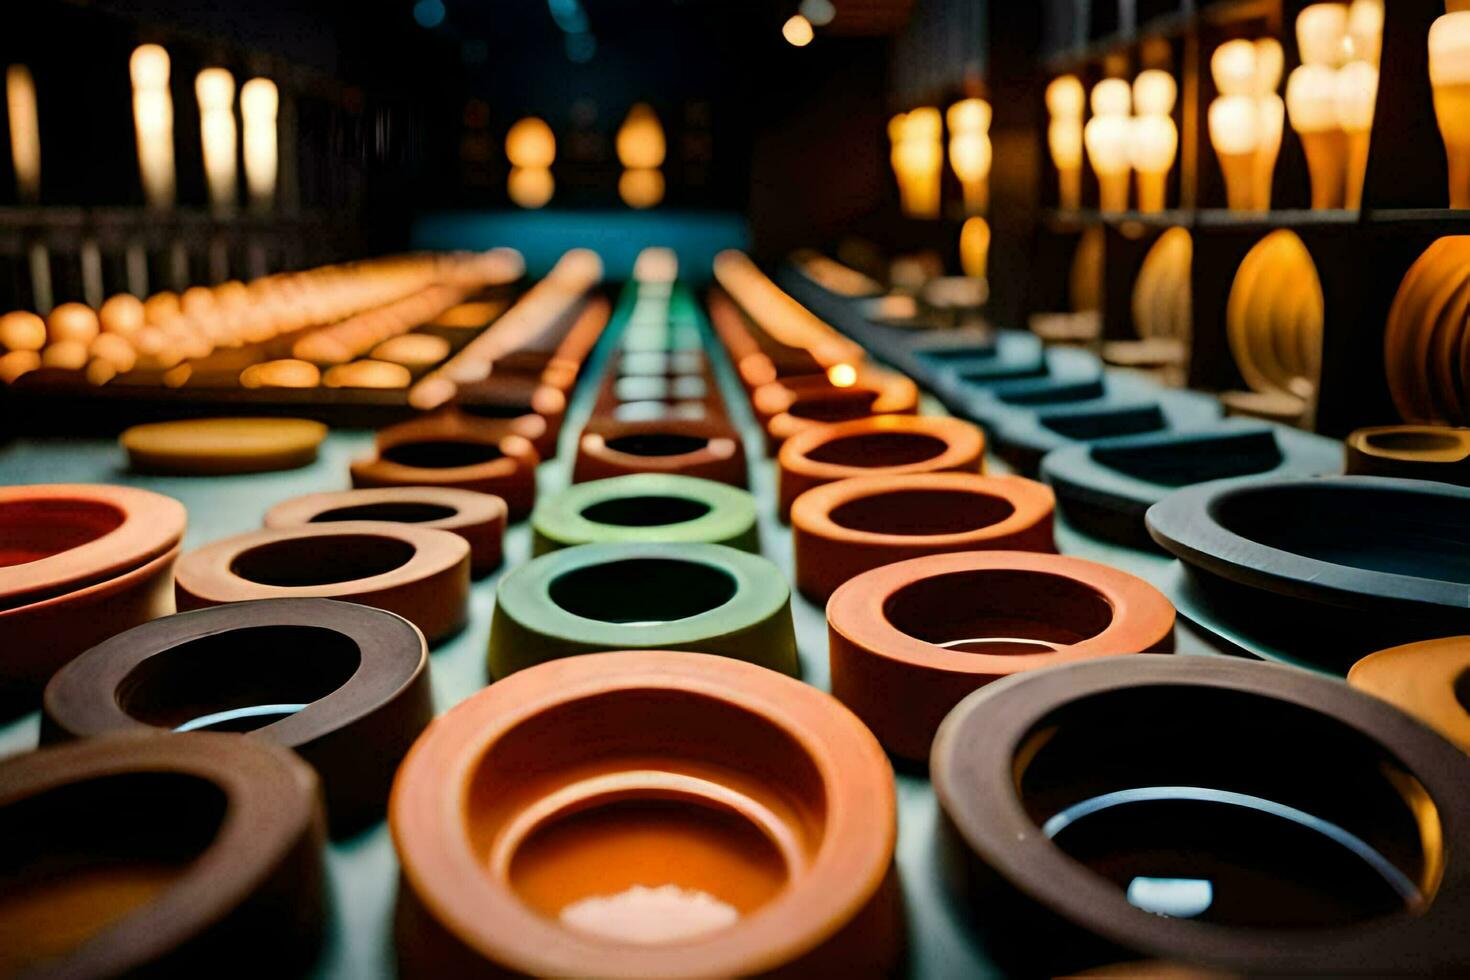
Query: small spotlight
x,y
797,31
429,13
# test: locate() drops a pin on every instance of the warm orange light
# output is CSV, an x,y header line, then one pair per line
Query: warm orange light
x,y
285,373
1311,104
215,90
640,140
530,144
918,160
641,189
1321,34
1154,93
153,119
530,187
1107,139
1449,74
1065,98
1153,141
25,132
1365,30
1235,137
842,375
1112,97
975,247
259,105
1233,66
1357,92
797,31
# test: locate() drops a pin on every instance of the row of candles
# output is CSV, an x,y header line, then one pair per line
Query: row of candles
x,y
341,312
530,147
1330,101
153,121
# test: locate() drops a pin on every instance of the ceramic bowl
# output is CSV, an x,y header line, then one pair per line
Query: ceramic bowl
x,y
709,449
1414,452
646,507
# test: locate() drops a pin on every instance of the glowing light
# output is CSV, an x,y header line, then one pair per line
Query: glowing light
x,y
530,143
153,119
215,90
1232,122
1321,34
530,187
640,140
259,105
819,12
1449,74
1107,140
975,247
1154,92
1233,66
25,131
1311,104
641,188
1065,98
842,375
1112,97
429,13
1153,141
918,160
797,31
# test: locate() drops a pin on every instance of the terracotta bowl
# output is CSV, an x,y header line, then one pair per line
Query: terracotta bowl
x,y
1246,817
881,444
42,636
159,854
1430,680
479,518
61,537
646,507
419,573
517,403
646,814
789,406
1415,452
346,686
449,451
222,446
909,640
648,595
843,529
709,449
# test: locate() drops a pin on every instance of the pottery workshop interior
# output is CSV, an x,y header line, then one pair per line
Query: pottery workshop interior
x,y
663,489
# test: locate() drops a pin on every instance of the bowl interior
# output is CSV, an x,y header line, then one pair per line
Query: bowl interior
x,y
648,815
1377,528
833,404
80,858
654,510
879,449
34,529
394,511
1230,808
657,444
1415,441
1057,395
922,512
1182,462
441,454
1087,426
644,591
321,559
999,611
240,679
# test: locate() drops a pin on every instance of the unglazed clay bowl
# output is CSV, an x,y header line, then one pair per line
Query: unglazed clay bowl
x,y
61,537
1341,565
909,640
523,405
449,451
1414,452
222,446
345,685
1125,809
842,529
419,573
479,518
646,507
646,814
881,444
790,406
159,854
648,595
1430,680
706,448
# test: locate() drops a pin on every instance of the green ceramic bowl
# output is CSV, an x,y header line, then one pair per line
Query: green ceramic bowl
x,y
646,507
707,598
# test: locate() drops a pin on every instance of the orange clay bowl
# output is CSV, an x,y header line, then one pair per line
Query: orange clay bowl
x,y
479,518
789,406
59,538
451,451
43,636
882,444
706,448
646,814
1429,680
419,573
908,641
843,529
516,403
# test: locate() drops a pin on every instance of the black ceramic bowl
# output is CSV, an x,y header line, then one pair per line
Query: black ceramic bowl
x,y
1347,564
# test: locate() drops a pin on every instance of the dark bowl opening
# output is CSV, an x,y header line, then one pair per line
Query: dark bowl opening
x,y
922,512
1011,373
441,454
836,405
1376,528
956,353
34,529
1088,426
1230,808
1058,395
395,511
238,680
642,590
1413,442
1194,460
879,449
307,561
657,444
999,611
495,410
650,511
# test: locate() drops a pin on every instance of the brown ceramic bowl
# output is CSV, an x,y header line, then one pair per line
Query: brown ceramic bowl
x,y
479,518
1429,680
42,636
1415,452
646,814
908,641
790,406
709,449
345,685
514,404
881,444
845,528
449,451
62,537
162,855
419,573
